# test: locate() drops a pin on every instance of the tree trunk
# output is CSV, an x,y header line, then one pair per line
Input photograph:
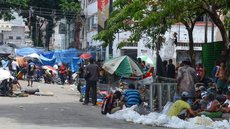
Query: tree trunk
x,y
77,43
217,21
191,48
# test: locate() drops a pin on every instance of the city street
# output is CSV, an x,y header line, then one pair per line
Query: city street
x,y
61,111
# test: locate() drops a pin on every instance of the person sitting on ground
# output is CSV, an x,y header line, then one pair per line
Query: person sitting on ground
x,y
222,75
196,104
178,108
226,105
131,96
112,103
213,108
220,96
48,77
16,85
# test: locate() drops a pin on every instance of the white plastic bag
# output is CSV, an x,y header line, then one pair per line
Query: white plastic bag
x,y
146,81
166,107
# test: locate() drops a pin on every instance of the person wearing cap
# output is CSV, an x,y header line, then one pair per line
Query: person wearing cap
x,y
179,106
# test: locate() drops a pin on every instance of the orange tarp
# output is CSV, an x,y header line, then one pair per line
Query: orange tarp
x,y
21,61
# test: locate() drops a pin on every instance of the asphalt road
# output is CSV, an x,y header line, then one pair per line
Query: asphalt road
x,y
61,111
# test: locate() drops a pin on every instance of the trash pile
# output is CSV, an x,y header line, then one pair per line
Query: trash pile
x,y
158,119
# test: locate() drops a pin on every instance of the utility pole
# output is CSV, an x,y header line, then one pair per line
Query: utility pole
x,y
206,29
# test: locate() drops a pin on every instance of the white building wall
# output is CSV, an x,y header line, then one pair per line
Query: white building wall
x,y
13,31
63,40
58,40
17,33
90,40
92,8
198,33
91,11
168,51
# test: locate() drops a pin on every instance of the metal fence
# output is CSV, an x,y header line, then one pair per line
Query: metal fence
x,y
161,91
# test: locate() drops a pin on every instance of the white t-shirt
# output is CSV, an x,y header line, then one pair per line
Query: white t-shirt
x,y
228,101
14,65
55,66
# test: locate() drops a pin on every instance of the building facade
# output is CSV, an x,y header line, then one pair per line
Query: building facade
x,y
168,51
63,36
14,32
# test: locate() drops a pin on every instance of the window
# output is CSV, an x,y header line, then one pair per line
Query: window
x,y
11,37
18,38
92,23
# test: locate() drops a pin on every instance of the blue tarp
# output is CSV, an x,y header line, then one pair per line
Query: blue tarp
x,y
69,56
76,62
27,51
66,56
49,54
46,61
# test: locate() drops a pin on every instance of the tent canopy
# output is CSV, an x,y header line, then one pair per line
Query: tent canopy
x,y
6,49
28,51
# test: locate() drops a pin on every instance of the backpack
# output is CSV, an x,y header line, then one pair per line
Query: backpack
x,y
31,68
107,104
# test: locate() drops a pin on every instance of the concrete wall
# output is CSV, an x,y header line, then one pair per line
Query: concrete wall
x,y
17,32
63,40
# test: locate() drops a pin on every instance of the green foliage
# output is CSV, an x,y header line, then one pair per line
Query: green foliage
x,y
227,23
70,6
7,7
138,17
147,18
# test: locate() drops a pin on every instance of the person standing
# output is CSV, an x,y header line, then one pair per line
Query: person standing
x,y
14,66
91,76
30,73
186,80
171,69
62,73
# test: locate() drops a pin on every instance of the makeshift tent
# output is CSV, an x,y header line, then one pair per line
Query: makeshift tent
x,y
49,54
28,51
66,56
76,62
21,61
32,56
6,50
47,61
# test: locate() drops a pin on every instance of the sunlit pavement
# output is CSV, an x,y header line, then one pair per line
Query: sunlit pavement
x,y
61,111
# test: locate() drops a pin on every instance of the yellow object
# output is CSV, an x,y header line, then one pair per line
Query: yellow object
x,y
177,107
99,104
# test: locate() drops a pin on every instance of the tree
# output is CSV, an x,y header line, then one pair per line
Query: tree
x,y
187,12
150,19
8,6
216,9
140,17
51,11
74,7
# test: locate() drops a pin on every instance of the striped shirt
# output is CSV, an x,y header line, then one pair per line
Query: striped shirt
x,y
132,97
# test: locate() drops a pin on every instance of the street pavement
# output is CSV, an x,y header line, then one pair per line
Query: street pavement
x,y
61,111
